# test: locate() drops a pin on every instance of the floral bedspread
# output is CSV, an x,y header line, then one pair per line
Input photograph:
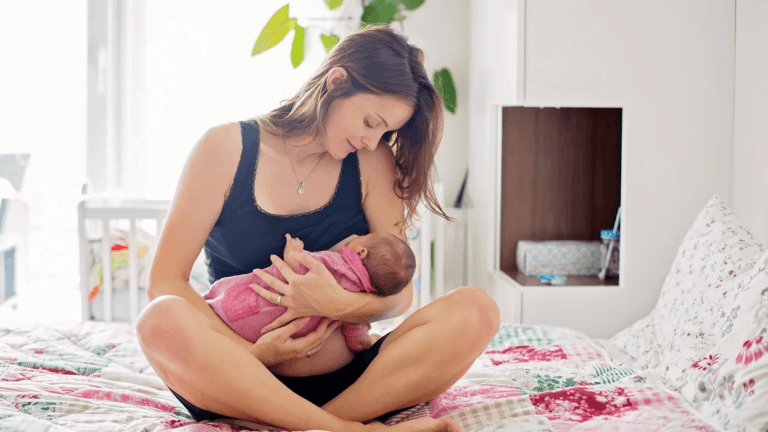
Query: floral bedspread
x,y
93,377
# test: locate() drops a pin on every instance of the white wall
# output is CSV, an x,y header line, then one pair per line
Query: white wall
x,y
670,66
486,49
441,30
750,152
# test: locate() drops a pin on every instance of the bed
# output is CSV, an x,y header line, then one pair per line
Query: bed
x,y
92,376
656,375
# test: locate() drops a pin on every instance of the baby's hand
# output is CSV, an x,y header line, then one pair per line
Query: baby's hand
x,y
292,245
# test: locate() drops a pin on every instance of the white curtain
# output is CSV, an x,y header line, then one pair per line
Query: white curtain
x,y
192,69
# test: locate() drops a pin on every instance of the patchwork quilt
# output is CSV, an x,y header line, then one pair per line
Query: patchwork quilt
x,y
93,377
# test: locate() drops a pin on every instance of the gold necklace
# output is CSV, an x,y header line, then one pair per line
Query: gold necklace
x,y
300,191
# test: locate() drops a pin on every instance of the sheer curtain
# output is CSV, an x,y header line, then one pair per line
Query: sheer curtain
x,y
187,66
191,69
43,114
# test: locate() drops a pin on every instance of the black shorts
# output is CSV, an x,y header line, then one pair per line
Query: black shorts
x,y
318,389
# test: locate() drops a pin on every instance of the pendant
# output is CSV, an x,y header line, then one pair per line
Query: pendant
x,y
301,190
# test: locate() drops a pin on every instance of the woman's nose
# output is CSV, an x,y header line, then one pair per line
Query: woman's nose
x,y
370,143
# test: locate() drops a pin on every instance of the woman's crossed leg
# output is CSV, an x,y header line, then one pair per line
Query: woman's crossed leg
x,y
426,354
423,356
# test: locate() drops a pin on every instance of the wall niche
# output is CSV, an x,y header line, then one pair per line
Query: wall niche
x,y
561,180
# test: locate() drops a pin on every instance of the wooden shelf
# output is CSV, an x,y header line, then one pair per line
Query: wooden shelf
x,y
526,281
560,180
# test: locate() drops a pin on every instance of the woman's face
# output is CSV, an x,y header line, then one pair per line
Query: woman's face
x,y
358,122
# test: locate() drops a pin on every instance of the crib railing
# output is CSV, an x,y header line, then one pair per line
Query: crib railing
x,y
108,209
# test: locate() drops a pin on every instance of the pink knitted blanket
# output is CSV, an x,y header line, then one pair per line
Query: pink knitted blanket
x,y
246,312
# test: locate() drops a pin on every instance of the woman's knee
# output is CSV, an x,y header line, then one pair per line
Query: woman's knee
x,y
476,311
161,323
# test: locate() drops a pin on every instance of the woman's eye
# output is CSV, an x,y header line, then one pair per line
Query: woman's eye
x,y
367,124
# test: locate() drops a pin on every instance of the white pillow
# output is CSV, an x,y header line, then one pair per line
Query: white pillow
x,y
709,268
730,383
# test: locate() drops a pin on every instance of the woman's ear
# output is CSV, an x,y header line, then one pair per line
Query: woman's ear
x,y
363,253
336,76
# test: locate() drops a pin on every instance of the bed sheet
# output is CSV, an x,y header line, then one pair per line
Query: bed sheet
x,y
93,377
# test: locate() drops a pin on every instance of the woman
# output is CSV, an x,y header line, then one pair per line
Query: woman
x,y
321,167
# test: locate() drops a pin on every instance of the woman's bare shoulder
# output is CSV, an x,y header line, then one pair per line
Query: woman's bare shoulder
x,y
225,138
214,158
377,166
220,146
381,157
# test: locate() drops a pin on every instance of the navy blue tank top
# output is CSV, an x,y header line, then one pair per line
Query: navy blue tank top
x,y
244,236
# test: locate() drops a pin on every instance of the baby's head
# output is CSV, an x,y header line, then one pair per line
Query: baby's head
x,y
389,260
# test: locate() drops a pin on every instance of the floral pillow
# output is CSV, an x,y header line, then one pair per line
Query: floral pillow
x,y
694,305
730,383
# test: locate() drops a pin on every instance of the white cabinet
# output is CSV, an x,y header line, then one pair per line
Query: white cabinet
x,y
670,67
506,51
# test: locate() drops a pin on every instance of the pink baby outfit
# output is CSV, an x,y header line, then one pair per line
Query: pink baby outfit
x,y
246,312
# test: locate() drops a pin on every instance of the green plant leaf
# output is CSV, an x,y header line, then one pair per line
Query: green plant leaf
x,y
379,12
443,82
274,31
297,50
329,41
333,4
412,4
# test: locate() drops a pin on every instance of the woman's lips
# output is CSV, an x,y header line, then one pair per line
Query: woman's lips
x,y
349,146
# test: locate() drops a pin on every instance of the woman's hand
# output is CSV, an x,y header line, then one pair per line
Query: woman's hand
x,y
315,293
277,345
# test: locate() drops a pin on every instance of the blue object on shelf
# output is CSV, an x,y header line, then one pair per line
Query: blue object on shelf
x,y
552,279
611,236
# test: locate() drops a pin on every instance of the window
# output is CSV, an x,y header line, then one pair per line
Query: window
x,y
185,67
43,107
118,92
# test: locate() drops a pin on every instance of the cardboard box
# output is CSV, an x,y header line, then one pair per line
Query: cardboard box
x,y
560,257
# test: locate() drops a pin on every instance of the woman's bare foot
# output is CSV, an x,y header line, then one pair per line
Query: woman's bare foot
x,y
442,424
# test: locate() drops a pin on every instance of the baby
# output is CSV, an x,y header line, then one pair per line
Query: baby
x,y
375,263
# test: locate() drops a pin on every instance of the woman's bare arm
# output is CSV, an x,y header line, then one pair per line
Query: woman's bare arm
x,y
203,188
384,212
206,178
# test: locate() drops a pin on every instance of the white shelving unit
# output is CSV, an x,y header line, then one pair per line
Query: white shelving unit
x,y
606,54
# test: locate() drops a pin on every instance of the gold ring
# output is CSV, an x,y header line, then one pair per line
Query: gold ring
x,y
278,299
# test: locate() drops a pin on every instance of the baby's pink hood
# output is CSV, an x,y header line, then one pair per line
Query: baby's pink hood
x,y
356,264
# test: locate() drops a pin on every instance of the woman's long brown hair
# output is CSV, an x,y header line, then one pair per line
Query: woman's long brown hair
x,y
378,60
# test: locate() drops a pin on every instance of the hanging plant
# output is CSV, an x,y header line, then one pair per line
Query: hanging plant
x,y
374,12
445,88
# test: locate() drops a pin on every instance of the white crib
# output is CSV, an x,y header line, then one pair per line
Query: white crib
x,y
108,209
